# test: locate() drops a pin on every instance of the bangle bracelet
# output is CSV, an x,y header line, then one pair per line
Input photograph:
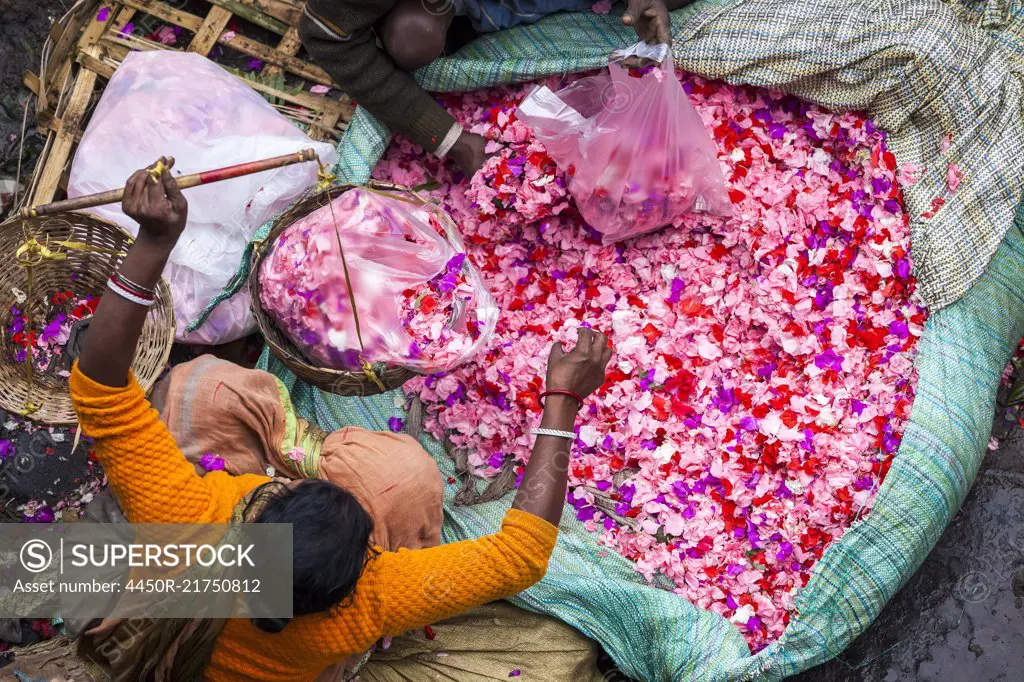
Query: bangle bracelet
x,y
128,295
128,284
554,432
143,294
545,394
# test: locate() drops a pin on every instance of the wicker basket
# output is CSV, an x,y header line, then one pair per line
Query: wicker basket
x,y
341,382
91,249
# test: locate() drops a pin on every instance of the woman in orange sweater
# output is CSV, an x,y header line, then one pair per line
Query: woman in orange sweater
x,y
346,594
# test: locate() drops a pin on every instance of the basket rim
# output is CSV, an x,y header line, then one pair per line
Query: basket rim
x,y
165,306
291,356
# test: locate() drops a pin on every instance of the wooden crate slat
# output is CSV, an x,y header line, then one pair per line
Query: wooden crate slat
x,y
94,29
51,91
63,42
254,15
289,45
160,10
97,66
207,35
56,31
66,79
50,95
313,102
31,81
284,10
64,141
86,53
327,123
295,65
122,19
334,110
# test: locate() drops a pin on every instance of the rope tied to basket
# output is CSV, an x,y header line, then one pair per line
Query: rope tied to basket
x,y
324,180
324,177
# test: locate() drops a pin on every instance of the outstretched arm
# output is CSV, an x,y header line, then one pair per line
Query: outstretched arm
x,y
153,480
427,585
161,212
580,371
338,34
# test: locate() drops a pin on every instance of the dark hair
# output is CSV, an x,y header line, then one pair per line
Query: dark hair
x,y
330,544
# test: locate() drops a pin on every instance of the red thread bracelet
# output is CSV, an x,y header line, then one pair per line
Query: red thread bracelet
x,y
545,394
132,287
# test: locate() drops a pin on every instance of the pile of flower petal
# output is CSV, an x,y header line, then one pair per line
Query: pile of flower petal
x,y
763,369
46,337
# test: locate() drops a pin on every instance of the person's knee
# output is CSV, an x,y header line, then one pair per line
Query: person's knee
x,y
413,36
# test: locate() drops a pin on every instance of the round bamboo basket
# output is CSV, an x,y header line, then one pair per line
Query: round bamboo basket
x,y
52,248
340,382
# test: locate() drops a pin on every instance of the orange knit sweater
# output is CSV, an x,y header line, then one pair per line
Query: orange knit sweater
x,y
398,591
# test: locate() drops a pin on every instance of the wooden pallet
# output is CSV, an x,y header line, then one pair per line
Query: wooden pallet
x,y
86,52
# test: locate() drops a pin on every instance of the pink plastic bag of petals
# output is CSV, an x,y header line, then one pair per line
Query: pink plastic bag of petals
x,y
421,302
635,150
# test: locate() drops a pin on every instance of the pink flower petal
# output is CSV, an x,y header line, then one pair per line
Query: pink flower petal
x,y
953,177
763,364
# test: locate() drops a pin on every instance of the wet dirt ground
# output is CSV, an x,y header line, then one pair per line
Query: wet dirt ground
x,y
23,27
960,618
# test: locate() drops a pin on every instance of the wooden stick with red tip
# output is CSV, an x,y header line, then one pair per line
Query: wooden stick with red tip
x,y
184,182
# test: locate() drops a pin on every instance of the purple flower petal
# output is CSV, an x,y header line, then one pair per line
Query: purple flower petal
x,y
899,329
829,360
880,185
677,290
43,514
211,462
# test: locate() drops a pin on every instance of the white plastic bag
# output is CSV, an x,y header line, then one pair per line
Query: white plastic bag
x,y
185,106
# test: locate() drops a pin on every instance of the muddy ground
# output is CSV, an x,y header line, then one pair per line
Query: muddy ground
x,y
23,26
960,618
